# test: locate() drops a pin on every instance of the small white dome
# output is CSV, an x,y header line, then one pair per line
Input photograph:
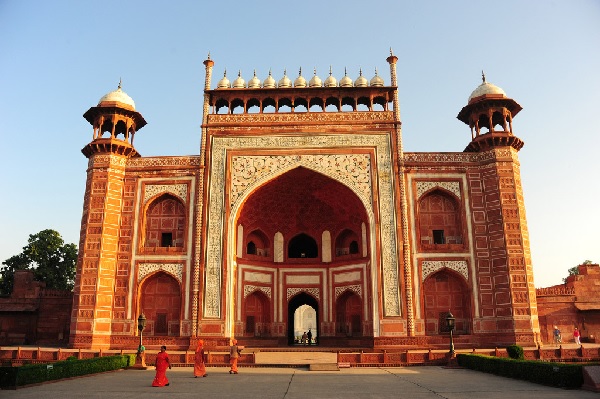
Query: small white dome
x,y
269,81
300,81
224,83
361,81
377,81
285,81
486,88
345,81
118,96
330,81
315,81
239,82
254,83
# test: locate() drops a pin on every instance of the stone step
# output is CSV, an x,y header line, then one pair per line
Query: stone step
x,y
295,358
324,367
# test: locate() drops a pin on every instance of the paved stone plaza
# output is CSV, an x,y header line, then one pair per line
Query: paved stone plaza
x,y
294,383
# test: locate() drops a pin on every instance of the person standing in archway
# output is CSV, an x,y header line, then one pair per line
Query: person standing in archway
x,y
309,336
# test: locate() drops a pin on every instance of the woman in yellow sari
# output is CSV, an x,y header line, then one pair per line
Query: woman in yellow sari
x,y
199,367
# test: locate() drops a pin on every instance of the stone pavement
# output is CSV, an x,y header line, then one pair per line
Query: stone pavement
x,y
293,383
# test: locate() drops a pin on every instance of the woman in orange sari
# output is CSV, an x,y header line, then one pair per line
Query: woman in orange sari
x,y
162,362
234,354
199,367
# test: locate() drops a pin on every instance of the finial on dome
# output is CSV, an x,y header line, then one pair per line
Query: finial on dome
x,y
376,74
254,72
269,71
300,72
330,70
225,73
483,76
345,72
208,58
239,73
360,71
120,82
391,52
315,71
284,71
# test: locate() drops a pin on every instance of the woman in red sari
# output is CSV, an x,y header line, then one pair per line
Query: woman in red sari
x,y
162,362
199,367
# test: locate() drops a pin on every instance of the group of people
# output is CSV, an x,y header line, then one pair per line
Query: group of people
x,y
556,334
163,363
306,338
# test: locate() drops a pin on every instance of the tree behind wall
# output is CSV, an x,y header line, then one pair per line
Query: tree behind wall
x,y
46,254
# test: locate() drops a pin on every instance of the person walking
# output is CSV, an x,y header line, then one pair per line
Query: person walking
x,y
556,334
304,338
234,354
199,366
309,336
162,363
577,336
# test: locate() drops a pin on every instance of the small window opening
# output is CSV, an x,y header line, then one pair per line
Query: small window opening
x,y
166,239
354,247
438,237
251,248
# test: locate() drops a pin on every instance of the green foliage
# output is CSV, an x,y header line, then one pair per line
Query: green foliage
x,y
47,255
546,373
515,352
12,377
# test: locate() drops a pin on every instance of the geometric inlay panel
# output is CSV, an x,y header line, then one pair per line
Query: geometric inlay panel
x,y
174,269
357,289
178,190
432,266
249,289
424,186
312,291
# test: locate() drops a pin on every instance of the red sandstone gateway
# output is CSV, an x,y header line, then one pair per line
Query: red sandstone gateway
x,y
301,211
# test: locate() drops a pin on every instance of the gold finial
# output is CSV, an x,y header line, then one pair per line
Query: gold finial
x,y
483,76
345,72
300,72
360,71
208,56
391,52
255,72
329,70
376,72
315,71
269,71
239,73
120,84
225,73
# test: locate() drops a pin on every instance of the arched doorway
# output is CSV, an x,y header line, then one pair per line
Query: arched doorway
x,y
296,302
446,291
348,315
256,315
161,304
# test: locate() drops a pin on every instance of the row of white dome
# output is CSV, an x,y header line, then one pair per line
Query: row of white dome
x,y
285,82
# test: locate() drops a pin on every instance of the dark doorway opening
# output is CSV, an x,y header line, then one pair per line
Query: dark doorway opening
x,y
295,302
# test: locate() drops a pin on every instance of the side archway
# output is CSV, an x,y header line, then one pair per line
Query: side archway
x,y
296,302
446,291
160,301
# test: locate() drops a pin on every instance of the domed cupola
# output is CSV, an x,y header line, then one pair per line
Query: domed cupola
x,y
346,81
239,82
300,81
489,113
254,83
115,123
269,82
330,81
285,82
361,81
377,81
224,83
315,81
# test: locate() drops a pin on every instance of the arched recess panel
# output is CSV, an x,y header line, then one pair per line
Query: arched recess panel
x,y
256,315
439,219
303,246
442,292
165,222
348,315
160,302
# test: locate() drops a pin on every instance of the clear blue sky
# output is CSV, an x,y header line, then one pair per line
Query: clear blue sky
x,y
57,58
